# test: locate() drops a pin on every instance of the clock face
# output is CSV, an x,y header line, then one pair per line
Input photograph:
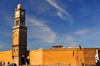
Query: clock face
x,y
22,13
17,13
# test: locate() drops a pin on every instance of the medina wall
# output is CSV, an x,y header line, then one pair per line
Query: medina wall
x,y
55,57
36,57
6,57
63,56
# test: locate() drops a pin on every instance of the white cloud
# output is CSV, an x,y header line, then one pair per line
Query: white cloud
x,y
40,6
64,17
80,37
57,7
61,12
67,40
39,30
70,38
92,33
71,41
81,32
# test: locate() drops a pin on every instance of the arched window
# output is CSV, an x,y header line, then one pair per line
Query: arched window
x,y
17,22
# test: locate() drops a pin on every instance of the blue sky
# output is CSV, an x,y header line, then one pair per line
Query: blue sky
x,y
53,22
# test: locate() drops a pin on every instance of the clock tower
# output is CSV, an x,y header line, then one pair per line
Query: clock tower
x,y
19,41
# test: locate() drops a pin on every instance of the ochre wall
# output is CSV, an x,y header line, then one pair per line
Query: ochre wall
x,y
55,56
36,57
6,56
63,56
80,56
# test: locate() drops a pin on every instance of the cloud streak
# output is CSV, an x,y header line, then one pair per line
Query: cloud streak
x,y
67,40
40,30
61,12
81,32
88,34
70,40
80,37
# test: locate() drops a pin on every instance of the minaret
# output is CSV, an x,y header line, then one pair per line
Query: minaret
x,y
19,41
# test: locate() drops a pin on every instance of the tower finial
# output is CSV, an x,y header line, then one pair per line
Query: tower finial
x,y
19,6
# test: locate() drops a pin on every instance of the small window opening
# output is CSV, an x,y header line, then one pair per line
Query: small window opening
x,y
17,49
15,34
17,22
